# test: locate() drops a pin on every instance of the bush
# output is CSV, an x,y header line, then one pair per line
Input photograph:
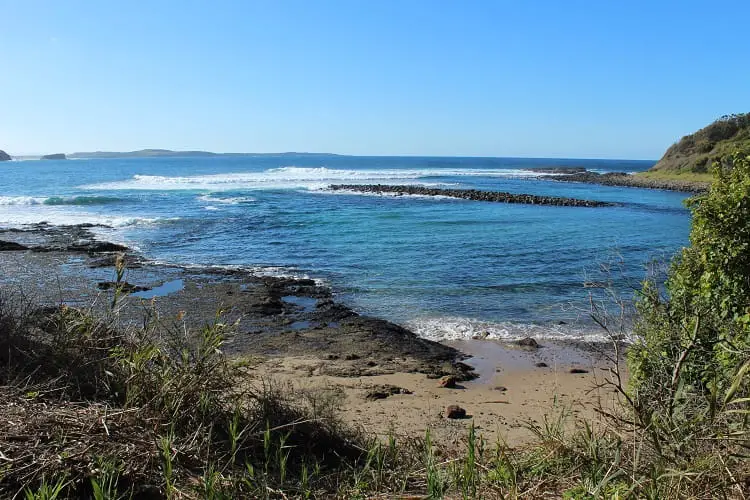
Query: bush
x,y
689,380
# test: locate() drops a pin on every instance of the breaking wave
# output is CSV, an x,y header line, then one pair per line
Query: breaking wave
x,y
297,178
58,200
458,328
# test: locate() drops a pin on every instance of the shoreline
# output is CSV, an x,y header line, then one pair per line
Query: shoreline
x,y
293,330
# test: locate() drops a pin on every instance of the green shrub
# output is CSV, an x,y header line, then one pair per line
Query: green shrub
x,y
689,367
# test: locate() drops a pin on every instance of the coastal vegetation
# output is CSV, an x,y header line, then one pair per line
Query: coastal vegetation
x,y
695,153
92,410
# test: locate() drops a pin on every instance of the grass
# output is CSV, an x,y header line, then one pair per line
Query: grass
x,y
676,175
159,412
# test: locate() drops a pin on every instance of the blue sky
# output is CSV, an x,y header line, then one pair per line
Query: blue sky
x,y
585,79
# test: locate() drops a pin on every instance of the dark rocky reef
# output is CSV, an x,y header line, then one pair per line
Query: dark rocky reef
x,y
55,156
272,316
472,194
626,180
557,170
4,156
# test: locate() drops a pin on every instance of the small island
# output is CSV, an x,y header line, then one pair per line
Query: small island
x,y
55,156
4,156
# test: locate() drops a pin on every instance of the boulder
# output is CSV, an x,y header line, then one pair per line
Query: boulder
x,y
448,382
384,391
528,342
455,411
4,156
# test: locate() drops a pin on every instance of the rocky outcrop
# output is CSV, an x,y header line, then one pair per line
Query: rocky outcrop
x,y
471,194
55,156
4,156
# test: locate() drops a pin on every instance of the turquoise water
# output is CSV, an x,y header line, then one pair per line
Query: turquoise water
x,y
448,268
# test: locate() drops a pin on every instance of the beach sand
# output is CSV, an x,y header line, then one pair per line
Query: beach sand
x,y
510,395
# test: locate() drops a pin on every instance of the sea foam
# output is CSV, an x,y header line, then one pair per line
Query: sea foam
x,y
296,178
442,329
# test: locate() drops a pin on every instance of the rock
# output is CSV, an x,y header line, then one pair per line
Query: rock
x,y
11,246
578,370
96,247
448,382
351,357
384,391
557,170
500,388
131,262
268,306
471,194
55,156
455,411
124,286
528,342
542,364
4,156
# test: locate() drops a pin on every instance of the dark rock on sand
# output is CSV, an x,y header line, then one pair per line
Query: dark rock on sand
x,y
55,156
11,246
528,342
124,286
578,370
384,391
4,156
454,412
472,194
541,364
448,382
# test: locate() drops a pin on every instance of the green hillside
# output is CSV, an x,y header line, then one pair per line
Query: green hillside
x,y
692,155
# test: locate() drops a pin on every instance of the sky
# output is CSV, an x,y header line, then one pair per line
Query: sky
x,y
544,78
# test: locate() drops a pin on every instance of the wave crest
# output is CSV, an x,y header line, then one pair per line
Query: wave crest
x,y
312,178
458,328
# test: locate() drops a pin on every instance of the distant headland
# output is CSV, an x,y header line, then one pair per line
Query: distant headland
x,y
168,153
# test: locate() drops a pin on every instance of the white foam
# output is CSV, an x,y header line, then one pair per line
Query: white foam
x,y
458,328
232,200
270,271
12,216
297,178
21,200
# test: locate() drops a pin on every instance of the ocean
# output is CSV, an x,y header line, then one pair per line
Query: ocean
x,y
447,268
